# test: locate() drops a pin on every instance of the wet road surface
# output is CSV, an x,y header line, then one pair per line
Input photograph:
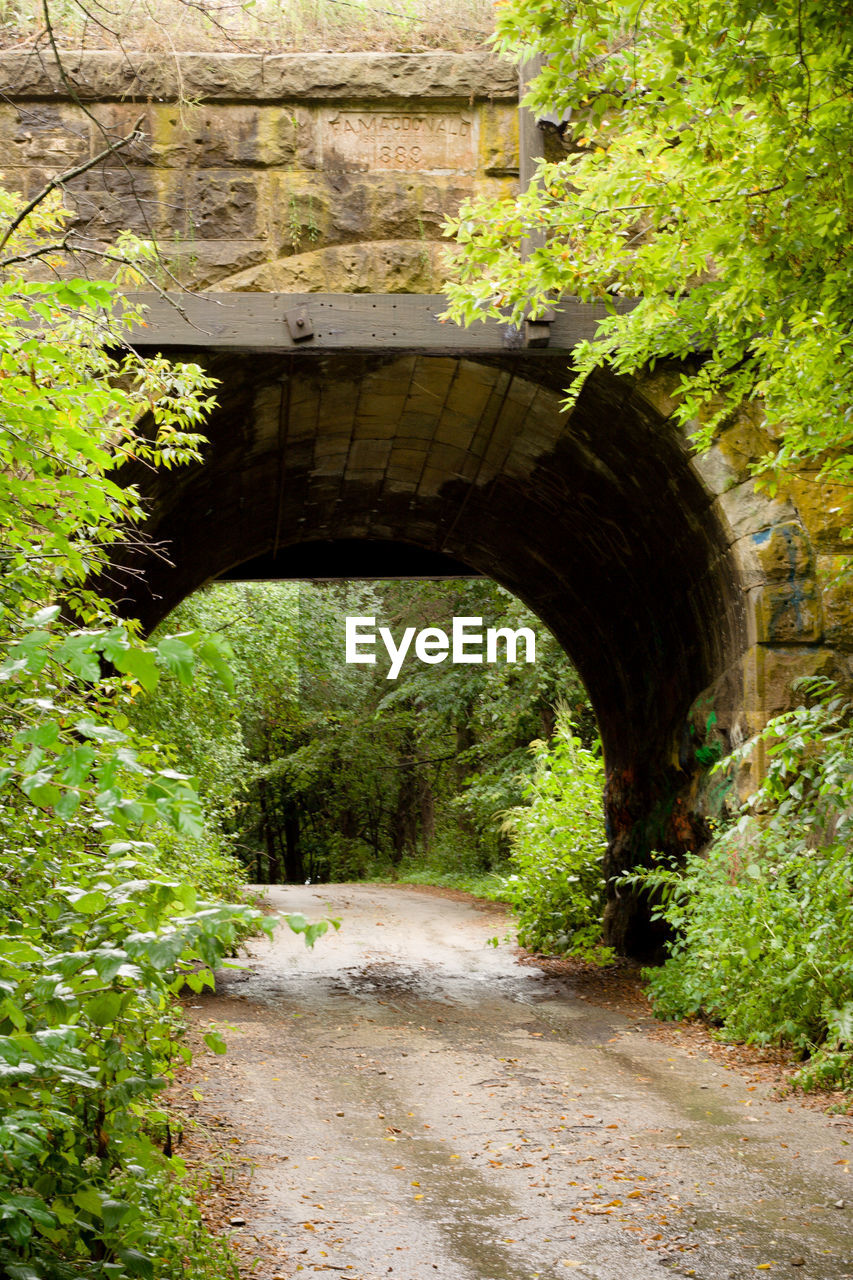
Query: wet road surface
x,y
417,1103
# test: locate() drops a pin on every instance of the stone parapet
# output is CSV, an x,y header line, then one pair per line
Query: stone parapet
x,y
257,77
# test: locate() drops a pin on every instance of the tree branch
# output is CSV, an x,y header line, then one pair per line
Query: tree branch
x,y
68,176
61,247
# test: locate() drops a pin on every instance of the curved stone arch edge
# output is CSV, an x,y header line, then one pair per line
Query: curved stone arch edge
x,y
787,550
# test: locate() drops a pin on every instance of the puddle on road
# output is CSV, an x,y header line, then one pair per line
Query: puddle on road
x,y
375,980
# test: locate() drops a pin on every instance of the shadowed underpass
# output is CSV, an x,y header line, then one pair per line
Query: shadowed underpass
x,y
336,463
418,1103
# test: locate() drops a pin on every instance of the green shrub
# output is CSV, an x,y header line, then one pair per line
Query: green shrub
x,y
92,949
95,938
558,842
764,920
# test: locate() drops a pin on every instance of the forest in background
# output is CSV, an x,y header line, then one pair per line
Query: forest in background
x,y
322,769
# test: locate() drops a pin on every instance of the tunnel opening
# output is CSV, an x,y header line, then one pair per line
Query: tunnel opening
x,y
394,762
342,464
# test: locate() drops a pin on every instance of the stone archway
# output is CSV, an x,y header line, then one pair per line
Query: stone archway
x,y
597,519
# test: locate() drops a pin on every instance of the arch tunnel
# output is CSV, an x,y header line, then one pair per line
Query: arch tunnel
x,y
336,464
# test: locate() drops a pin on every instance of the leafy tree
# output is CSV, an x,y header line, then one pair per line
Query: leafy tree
x,y
706,180
95,937
482,717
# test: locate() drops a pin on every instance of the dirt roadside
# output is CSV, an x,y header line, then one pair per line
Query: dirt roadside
x,y
407,1100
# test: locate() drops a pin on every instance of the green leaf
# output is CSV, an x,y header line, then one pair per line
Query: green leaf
x,y
76,763
315,931
45,735
67,805
47,615
161,953
89,1200
22,1271
89,904
214,1042
141,664
35,1209
841,1023
137,1263
78,654
113,1212
105,1008
15,1014
41,793
215,653
89,728
178,658
295,921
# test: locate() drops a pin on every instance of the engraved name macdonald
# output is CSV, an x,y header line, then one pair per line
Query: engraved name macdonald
x,y
399,140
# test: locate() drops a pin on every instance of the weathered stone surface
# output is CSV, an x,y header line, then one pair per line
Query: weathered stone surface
x,y
779,555
826,510
658,387
748,512
464,76
770,674
44,135
743,440
391,266
784,552
227,136
715,719
242,167
499,140
210,263
402,139
836,579
222,204
785,613
97,76
717,471
107,201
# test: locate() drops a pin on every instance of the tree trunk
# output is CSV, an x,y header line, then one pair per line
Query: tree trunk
x,y
269,832
294,869
426,804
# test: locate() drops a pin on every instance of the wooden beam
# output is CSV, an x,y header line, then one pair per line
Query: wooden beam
x,y
336,322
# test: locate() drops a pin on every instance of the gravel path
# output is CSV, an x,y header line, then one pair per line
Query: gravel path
x,y
416,1103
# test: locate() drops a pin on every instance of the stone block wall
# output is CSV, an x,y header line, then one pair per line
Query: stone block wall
x,y
792,563
328,173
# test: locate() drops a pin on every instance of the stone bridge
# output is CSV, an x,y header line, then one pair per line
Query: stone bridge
x,y
358,435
